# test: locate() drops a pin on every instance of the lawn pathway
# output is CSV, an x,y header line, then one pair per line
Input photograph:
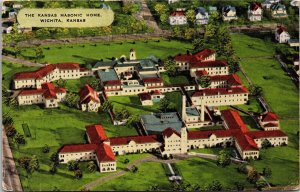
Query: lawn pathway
x,y
21,61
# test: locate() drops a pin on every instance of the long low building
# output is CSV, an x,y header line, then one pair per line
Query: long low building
x,y
48,94
170,142
49,73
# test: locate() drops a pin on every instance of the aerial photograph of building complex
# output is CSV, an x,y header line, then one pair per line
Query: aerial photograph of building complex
x,y
174,95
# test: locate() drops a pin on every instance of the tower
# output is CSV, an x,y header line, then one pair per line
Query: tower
x,y
183,108
132,55
183,140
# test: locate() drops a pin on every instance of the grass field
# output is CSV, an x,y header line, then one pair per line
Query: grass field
x,y
283,97
148,174
86,52
176,80
74,85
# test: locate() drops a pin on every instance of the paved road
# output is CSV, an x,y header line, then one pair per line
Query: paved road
x,y
21,61
11,177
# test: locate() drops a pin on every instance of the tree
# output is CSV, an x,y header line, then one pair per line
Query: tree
x,y
204,81
78,174
215,186
121,114
17,50
223,158
163,18
170,67
10,131
54,158
38,53
266,144
164,104
190,14
92,167
61,82
46,149
255,90
53,168
11,101
95,84
189,33
71,100
253,176
30,164
7,120
107,105
126,161
198,44
161,8
239,186
242,168
260,184
267,172
73,165
233,64
134,169
132,119
20,139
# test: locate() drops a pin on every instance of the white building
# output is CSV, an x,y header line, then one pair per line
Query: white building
x,y
278,10
255,11
177,18
202,16
229,13
268,3
282,35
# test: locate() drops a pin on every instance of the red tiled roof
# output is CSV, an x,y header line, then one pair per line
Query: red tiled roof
x,y
78,148
48,90
112,83
87,94
156,92
245,142
145,96
255,5
202,64
269,117
137,139
170,131
153,80
96,133
281,29
221,91
104,153
67,66
177,13
32,92
266,134
234,120
201,55
183,57
201,73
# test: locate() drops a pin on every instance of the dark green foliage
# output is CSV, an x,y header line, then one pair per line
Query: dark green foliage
x,y
266,144
253,176
267,172
73,165
92,167
204,81
78,174
10,131
46,149
223,158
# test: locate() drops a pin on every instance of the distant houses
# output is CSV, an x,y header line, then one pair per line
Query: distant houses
x,y
229,13
278,11
177,18
268,3
202,16
89,99
282,35
255,11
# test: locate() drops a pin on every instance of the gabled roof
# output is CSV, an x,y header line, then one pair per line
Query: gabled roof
x,y
88,94
232,80
104,153
221,91
206,134
112,83
201,55
228,8
145,96
234,120
202,64
156,92
201,73
169,132
177,14
266,134
48,91
277,6
281,29
246,142
269,116
96,133
153,80
255,5
201,10
138,139
271,125
74,148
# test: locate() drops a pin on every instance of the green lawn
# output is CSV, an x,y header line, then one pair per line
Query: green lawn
x,y
202,172
283,97
133,104
176,80
176,99
83,53
74,85
148,174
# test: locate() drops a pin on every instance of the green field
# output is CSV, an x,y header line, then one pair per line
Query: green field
x,y
178,79
283,97
148,174
84,53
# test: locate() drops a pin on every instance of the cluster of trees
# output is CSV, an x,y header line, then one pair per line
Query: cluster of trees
x,y
204,81
11,131
121,113
166,105
74,166
72,100
256,90
223,158
30,164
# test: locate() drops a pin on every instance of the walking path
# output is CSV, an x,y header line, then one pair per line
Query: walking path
x,y
21,61
11,180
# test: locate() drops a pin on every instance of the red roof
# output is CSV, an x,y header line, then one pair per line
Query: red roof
x,y
153,80
137,139
156,92
281,29
170,131
269,116
245,142
48,90
202,64
96,133
221,91
234,120
177,13
266,134
145,96
255,5
271,125
183,57
78,148
112,83
87,94
104,153
201,55
45,70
